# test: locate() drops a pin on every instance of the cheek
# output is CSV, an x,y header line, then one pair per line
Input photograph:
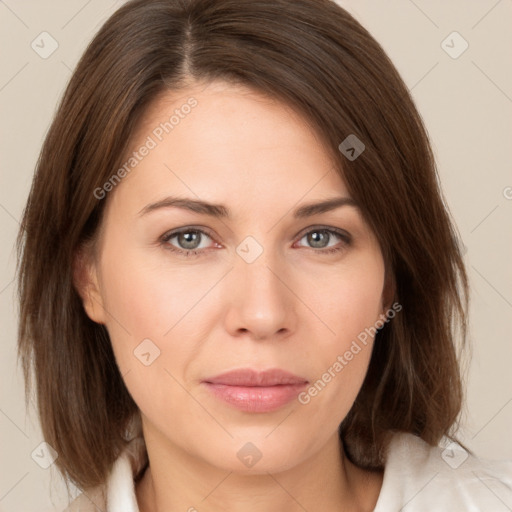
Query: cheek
x,y
154,331
348,300
145,302
349,303
149,297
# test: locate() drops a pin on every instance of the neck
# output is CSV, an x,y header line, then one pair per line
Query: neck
x,y
327,481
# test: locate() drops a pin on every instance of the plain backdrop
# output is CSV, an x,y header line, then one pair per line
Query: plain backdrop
x,y
465,97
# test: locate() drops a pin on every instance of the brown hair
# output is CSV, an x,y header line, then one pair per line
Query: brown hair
x,y
315,57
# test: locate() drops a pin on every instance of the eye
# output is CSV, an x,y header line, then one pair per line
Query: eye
x,y
320,238
194,242
188,240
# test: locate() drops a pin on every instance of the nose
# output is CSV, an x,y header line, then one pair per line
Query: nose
x,y
260,302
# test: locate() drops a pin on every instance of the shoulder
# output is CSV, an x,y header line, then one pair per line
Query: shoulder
x,y
419,477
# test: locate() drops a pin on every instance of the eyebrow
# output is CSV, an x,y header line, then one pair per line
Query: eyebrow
x,y
220,211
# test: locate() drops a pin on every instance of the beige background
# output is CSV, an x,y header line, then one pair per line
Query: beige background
x,y
466,103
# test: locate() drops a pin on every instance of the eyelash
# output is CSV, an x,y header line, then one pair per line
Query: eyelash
x,y
346,240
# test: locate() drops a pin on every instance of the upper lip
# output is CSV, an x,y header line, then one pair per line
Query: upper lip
x,y
249,377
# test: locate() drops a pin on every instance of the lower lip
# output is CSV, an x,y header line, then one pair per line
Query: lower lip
x,y
256,399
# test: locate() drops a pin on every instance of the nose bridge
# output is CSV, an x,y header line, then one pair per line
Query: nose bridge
x,y
257,266
260,301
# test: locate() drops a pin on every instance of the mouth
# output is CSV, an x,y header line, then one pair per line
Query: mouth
x,y
256,391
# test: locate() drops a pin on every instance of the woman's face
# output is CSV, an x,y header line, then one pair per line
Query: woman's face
x,y
268,283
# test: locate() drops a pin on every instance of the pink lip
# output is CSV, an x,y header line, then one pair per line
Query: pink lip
x,y
253,391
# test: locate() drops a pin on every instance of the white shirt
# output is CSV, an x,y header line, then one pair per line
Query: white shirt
x,y
417,478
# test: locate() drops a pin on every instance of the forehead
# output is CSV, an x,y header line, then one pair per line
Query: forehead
x,y
218,139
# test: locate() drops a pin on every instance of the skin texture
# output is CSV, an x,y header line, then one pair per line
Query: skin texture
x,y
294,307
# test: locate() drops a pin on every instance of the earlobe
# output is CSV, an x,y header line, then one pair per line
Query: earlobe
x,y
85,280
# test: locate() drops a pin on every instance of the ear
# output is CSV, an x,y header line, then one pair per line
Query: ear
x,y
85,280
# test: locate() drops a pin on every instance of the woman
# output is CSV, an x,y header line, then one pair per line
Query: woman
x,y
239,283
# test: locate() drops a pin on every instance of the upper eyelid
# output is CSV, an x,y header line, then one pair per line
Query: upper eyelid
x,y
173,233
